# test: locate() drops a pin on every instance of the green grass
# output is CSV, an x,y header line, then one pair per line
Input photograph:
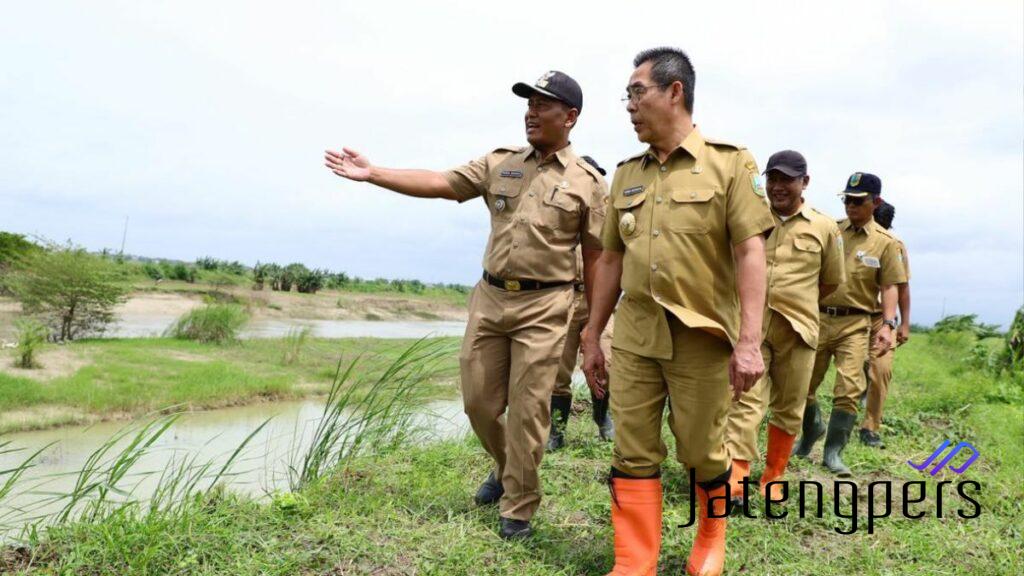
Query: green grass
x,y
138,376
410,511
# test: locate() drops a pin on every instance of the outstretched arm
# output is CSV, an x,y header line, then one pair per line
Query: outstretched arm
x,y
354,166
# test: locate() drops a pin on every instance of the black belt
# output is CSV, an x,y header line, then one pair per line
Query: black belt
x,y
519,285
578,287
841,311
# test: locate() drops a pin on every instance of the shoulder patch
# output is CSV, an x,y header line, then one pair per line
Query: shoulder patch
x,y
723,143
633,157
589,169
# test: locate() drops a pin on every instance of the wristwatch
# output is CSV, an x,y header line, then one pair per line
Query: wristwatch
x,y
890,323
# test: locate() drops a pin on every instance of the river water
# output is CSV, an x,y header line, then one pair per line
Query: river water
x,y
148,325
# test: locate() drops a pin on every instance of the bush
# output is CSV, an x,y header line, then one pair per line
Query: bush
x,y
214,323
31,335
294,342
72,291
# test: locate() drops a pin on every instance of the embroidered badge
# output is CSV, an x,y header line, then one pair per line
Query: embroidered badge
x,y
755,181
871,262
511,174
499,205
632,191
854,180
627,224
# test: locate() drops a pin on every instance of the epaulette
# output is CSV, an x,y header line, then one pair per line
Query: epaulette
x,y
715,142
631,158
589,169
881,229
514,149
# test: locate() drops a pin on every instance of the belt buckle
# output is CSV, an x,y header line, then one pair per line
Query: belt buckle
x,y
832,311
512,285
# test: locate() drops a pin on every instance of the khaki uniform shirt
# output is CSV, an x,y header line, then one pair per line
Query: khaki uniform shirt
x,y
873,260
677,223
803,251
540,211
902,255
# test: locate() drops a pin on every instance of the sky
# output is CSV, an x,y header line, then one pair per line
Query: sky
x,y
204,123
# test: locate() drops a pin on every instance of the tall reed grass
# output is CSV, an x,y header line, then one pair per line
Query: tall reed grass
x,y
213,323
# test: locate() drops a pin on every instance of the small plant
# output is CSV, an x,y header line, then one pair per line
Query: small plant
x,y
31,335
294,342
213,323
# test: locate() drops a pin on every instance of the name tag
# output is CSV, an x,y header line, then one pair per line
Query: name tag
x,y
632,191
871,262
511,174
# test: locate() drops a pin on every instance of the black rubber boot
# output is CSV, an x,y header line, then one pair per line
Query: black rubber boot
x,y
490,491
603,417
840,424
871,439
560,408
813,429
515,529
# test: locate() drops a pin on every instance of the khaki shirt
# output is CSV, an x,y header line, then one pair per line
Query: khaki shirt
x,y
873,260
902,255
540,211
677,223
803,252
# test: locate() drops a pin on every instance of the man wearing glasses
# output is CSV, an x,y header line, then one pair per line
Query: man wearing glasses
x,y
544,201
873,268
684,241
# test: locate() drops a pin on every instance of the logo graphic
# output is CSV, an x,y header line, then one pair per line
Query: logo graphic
x,y
956,449
854,180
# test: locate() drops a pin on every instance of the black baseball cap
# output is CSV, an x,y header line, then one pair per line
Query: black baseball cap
x,y
861,184
789,162
553,84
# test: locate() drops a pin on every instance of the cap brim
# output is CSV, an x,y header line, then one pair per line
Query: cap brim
x,y
791,172
855,193
524,90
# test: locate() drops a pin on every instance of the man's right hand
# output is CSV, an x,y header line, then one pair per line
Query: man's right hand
x,y
594,364
348,164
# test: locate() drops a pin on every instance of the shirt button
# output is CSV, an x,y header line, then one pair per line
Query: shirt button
x,y
540,168
656,233
658,199
515,244
531,194
654,267
664,168
503,189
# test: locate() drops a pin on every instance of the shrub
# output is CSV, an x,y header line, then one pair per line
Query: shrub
x,y
213,323
31,335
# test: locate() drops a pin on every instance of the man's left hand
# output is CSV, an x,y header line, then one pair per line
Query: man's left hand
x,y
883,341
903,334
746,366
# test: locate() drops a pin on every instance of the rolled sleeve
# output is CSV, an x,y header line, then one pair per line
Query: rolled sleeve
x,y
893,271
747,212
833,267
469,180
592,228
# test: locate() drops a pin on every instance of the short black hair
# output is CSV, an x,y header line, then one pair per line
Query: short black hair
x,y
667,66
884,213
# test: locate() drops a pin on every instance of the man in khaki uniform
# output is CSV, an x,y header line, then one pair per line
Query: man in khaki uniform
x,y
880,362
684,238
544,201
872,269
561,398
805,262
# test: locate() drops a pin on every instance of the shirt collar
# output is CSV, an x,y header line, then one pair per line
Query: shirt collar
x,y
693,145
805,211
868,228
563,156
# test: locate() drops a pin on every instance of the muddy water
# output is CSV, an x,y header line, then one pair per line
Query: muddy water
x,y
209,436
130,325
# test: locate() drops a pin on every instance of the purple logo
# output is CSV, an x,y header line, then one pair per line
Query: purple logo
x,y
959,470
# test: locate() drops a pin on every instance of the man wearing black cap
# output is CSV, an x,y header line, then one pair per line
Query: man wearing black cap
x,y
805,263
873,268
544,202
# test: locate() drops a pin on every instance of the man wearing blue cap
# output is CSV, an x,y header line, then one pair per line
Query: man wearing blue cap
x,y
544,202
873,268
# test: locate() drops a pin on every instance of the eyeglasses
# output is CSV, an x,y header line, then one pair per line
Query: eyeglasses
x,y
635,92
855,200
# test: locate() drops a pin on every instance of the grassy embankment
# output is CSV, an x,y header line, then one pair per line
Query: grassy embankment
x,y
119,379
410,512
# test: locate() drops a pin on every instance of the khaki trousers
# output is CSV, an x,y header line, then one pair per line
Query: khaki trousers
x,y
846,338
570,354
880,376
788,362
695,382
508,363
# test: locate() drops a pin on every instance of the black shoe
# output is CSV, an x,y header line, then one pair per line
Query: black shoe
x,y
489,492
872,439
560,408
840,424
813,429
515,529
603,419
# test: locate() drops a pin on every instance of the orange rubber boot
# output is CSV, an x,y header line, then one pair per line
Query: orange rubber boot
x,y
740,470
780,445
707,557
636,517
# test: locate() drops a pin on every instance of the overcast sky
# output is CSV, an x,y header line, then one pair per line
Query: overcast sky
x,y
205,122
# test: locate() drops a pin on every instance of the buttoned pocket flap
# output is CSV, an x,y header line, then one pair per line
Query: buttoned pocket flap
x,y
806,244
630,197
693,195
